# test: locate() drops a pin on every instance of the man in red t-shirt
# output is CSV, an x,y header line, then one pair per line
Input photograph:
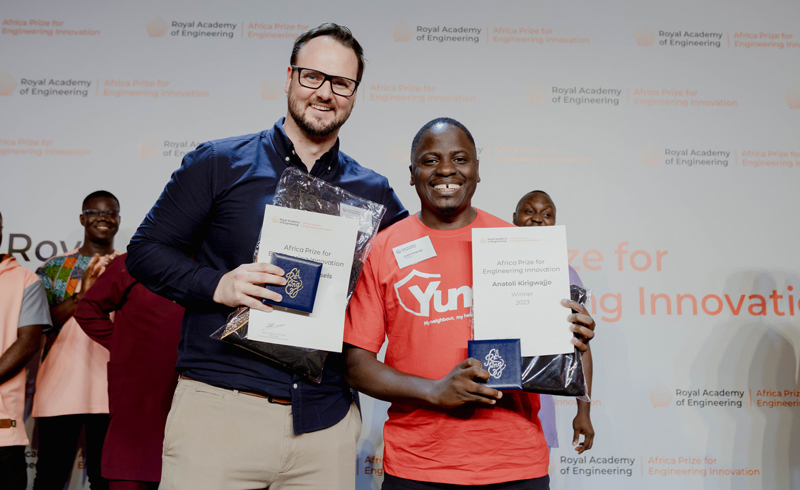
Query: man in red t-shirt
x,y
444,428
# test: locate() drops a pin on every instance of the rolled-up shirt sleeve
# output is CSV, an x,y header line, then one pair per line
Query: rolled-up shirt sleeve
x,y
159,254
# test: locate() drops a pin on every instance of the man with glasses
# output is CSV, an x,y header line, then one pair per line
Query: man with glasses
x,y
71,385
238,421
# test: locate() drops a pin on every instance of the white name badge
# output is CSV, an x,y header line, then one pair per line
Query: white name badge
x,y
414,252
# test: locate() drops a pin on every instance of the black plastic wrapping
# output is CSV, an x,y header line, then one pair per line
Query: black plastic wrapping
x,y
560,374
299,190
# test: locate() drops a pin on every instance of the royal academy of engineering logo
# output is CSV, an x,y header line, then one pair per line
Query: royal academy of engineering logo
x,y
270,89
157,27
644,36
650,155
792,97
402,32
536,92
7,84
148,147
294,283
660,396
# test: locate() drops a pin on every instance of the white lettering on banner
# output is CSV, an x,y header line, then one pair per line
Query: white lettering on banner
x,y
431,292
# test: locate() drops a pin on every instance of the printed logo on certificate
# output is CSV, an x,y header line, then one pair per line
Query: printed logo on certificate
x,y
519,277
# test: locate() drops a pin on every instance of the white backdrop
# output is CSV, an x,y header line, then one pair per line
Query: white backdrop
x,y
667,134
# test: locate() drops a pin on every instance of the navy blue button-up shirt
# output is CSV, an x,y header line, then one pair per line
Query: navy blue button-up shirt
x,y
205,224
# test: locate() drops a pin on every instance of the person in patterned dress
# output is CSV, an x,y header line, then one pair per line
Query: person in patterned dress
x,y
71,385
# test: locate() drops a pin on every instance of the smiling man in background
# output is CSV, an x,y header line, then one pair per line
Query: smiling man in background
x,y
536,208
72,385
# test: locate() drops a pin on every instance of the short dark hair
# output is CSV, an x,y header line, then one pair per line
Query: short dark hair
x,y
537,191
337,32
439,120
96,194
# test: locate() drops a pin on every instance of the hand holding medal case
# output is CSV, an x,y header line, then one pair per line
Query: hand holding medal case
x,y
300,191
560,374
302,280
520,276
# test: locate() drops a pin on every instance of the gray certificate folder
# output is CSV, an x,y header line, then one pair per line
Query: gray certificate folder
x,y
502,358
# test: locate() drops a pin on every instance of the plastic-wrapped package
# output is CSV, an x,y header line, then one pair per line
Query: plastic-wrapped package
x,y
299,190
560,374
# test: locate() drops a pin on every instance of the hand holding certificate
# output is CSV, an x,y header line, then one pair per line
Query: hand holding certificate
x,y
313,236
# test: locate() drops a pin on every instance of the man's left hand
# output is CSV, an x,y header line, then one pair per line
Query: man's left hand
x,y
582,424
582,324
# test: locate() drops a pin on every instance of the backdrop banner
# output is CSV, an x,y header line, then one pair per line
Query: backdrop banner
x,y
666,133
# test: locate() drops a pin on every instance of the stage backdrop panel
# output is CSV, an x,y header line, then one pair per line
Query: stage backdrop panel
x,y
666,133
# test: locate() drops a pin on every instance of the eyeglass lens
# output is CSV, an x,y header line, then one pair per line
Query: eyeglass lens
x,y
315,79
93,214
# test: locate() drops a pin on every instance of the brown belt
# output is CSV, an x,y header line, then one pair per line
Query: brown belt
x,y
7,423
269,398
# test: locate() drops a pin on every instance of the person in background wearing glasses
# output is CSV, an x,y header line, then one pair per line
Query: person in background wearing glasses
x,y
236,420
71,384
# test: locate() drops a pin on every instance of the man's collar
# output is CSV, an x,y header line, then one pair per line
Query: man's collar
x,y
326,164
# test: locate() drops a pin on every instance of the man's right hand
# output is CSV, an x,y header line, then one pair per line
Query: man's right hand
x,y
244,286
458,387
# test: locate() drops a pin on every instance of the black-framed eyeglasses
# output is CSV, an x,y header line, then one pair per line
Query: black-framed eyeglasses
x,y
310,78
93,214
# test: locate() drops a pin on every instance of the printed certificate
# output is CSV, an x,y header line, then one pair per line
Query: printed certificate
x,y
313,236
519,277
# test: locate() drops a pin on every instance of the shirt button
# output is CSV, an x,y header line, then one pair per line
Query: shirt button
x,y
329,169
295,386
287,159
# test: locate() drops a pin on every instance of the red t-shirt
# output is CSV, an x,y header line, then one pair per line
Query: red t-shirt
x,y
425,310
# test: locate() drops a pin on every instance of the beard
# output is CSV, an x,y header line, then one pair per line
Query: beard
x,y
312,128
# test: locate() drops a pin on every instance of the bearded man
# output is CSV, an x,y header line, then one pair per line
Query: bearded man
x,y
237,421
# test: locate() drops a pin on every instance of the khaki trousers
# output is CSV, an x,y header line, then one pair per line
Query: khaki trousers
x,y
220,439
